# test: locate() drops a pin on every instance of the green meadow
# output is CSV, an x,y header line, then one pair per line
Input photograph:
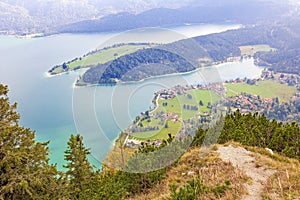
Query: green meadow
x,y
265,89
176,104
101,56
162,133
252,49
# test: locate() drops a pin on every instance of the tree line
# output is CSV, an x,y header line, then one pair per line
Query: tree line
x,y
255,130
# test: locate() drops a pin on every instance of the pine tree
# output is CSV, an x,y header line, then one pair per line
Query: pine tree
x,y
79,171
24,169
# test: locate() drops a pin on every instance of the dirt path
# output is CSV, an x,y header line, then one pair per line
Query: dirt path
x,y
244,160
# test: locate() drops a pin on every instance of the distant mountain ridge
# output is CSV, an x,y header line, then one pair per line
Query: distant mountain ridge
x,y
243,12
72,16
32,16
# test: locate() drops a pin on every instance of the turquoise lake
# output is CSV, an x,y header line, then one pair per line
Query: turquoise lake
x,y
55,109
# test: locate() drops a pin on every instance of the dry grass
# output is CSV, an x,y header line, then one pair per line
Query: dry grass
x,y
117,157
210,169
285,183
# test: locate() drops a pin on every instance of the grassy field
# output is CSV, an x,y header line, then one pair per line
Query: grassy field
x,y
162,133
252,49
102,56
265,89
154,122
175,105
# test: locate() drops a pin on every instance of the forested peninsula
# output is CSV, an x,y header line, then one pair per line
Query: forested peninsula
x,y
140,61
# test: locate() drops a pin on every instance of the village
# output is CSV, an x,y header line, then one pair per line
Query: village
x,y
155,122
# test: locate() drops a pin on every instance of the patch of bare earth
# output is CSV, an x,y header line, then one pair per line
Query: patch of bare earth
x,y
245,161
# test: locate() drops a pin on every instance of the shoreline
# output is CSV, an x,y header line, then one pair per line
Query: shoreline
x,y
24,36
50,33
48,75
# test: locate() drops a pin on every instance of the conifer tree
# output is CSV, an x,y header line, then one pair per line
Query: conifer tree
x,y
79,170
24,169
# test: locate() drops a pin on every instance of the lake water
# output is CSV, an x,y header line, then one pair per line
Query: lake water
x,y
55,109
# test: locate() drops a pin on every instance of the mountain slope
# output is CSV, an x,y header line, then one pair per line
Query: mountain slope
x,y
253,173
20,17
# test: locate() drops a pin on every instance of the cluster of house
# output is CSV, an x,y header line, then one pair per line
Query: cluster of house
x,y
166,94
233,59
248,103
283,78
172,116
134,144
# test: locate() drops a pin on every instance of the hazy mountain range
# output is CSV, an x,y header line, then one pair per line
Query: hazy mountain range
x,y
24,16
242,12
31,16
